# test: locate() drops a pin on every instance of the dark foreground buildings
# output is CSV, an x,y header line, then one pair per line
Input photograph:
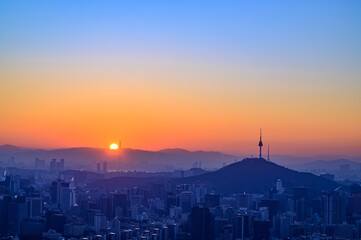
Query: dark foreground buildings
x,y
56,205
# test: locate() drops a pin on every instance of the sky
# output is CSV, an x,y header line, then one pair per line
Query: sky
x,y
199,75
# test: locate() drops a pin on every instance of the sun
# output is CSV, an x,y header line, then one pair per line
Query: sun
x,y
113,146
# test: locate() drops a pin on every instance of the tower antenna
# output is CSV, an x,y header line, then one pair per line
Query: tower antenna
x,y
268,159
260,144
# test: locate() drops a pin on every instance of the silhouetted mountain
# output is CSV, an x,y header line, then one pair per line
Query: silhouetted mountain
x,y
326,165
124,159
291,161
258,176
9,148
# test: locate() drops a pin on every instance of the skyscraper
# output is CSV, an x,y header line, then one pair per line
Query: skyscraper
x,y
212,200
17,212
202,224
300,195
35,206
261,230
333,207
63,194
13,183
186,201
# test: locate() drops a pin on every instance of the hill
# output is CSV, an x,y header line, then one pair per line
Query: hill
x,y
256,175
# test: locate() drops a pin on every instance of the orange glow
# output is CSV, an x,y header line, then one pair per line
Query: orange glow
x,y
113,146
153,112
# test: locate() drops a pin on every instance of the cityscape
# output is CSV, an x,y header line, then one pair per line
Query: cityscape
x,y
54,202
180,120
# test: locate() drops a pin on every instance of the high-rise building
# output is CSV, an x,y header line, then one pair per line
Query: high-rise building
x,y
39,163
53,166
279,186
354,204
261,230
63,194
334,207
56,221
13,183
301,203
17,212
264,213
241,223
281,226
227,232
106,205
35,206
57,166
99,222
186,201
272,205
211,200
61,165
32,228
201,224
245,201
4,203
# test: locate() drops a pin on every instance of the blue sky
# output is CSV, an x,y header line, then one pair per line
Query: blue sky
x,y
283,32
217,70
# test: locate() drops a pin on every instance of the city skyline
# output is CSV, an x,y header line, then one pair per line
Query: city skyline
x,y
180,120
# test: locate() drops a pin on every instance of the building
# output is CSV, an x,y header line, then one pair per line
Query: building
x,y
186,201
272,205
261,230
333,207
17,212
241,224
13,184
211,200
281,226
301,203
63,194
245,201
201,224
35,206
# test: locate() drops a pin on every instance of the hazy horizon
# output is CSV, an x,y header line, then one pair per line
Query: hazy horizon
x,y
237,154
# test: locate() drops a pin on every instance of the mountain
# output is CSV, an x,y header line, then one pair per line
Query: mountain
x,y
251,175
291,161
326,165
256,175
9,148
124,159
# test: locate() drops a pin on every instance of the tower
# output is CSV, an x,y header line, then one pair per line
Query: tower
x,y
260,144
268,159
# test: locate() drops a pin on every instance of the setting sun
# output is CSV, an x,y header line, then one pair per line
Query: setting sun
x,y
113,146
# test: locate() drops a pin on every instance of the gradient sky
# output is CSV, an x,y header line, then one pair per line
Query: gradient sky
x,y
190,74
